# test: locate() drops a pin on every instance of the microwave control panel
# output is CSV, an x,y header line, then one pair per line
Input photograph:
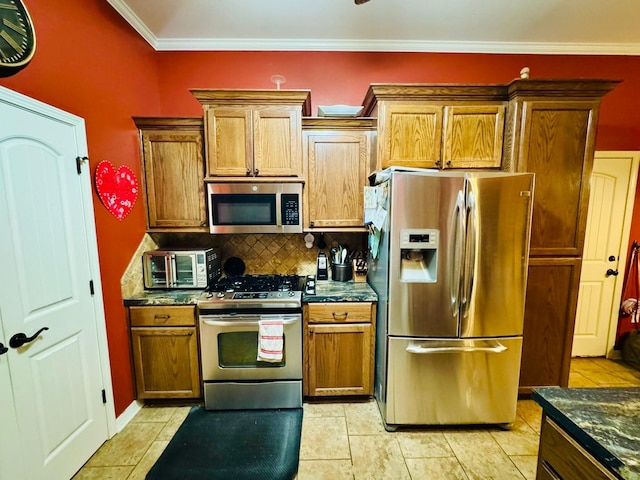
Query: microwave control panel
x,y
290,209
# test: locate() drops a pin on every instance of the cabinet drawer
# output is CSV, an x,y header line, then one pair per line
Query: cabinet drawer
x,y
566,457
162,316
340,312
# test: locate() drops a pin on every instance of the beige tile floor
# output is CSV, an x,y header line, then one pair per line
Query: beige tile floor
x,y
347,440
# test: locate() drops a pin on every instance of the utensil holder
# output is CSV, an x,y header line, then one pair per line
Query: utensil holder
x,y
341,272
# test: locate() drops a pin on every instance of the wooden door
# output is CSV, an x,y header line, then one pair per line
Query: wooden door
x,y
613,185
339,359
165,361
174,179
473,136
337,176
410,134
229,134
549,318
277,141
557,145
53,414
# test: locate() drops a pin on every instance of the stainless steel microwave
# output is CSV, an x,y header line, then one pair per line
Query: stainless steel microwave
x,y
181,268
255,207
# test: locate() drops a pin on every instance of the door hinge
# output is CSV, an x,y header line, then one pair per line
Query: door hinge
x,y
91,287
79,162
104,396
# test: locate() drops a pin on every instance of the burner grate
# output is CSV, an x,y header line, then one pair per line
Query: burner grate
x,y
258,283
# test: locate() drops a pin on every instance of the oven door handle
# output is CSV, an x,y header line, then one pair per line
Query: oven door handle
x,y
239,322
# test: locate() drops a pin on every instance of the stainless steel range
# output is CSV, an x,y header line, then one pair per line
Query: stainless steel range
x,y
231,312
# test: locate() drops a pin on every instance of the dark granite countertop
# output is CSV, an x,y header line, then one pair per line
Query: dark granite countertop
x,y
331,291
605,421
163,297
326,291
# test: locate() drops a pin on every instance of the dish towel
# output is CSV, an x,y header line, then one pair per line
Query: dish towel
x,y
270,340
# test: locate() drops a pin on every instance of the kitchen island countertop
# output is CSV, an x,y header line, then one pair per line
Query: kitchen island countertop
x,y
605,421
331,291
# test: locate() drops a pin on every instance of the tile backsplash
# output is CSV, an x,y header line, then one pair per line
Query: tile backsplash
x,y
261,253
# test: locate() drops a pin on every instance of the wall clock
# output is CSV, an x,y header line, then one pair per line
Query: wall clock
x,y
17,37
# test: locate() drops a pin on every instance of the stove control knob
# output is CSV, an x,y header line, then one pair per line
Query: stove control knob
x,y
220,294
291,294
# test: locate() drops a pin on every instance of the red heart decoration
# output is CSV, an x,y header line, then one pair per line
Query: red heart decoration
x,y
117,189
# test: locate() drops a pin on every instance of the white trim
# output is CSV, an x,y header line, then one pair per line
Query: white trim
x,y
275,44
42,109
125,417
626,232
139,26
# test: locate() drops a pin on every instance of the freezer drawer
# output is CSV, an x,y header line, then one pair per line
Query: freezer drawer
x,y
446,382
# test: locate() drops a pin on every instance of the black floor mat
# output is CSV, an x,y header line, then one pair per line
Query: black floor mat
x,y
233,444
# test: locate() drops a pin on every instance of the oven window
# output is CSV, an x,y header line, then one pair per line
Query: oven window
x,y
240,350
250,209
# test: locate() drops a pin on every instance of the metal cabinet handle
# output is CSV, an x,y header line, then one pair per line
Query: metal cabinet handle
x,y
343,316
248,172
161,317
612,272
256,172
19,339
3,349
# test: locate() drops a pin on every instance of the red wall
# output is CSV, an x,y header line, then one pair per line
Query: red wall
x,y
91,62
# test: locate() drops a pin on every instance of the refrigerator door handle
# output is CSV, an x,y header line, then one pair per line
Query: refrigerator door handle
x,y
469,254
464,346
458,256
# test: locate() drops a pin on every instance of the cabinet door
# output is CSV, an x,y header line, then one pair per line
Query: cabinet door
x,y
336,177
339,360
229,132
556,143
410,134
165,362
277,141
549,318
473,136
174,179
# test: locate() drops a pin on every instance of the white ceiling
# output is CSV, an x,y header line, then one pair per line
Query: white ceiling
x,y
500,26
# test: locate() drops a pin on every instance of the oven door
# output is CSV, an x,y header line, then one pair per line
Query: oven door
x,y
229,348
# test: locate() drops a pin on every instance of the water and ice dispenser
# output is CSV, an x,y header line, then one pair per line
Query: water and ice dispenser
x,y
419,255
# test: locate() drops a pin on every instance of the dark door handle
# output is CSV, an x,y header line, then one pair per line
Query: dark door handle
x,y
19,339
3,349
611,272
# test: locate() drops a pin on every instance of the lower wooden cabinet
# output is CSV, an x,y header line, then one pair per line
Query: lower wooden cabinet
x,y
339,341
562,458
165,352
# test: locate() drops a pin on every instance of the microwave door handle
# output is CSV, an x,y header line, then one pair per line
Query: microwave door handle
x,y
279,209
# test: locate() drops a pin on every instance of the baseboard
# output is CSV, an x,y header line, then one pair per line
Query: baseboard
x,y
125,417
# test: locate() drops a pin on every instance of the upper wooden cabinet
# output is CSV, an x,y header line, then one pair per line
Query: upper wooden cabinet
x,y
551,131
338,156
253,133
173,173
438,126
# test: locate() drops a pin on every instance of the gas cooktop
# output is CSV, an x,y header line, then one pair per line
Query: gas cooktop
x,y
254,291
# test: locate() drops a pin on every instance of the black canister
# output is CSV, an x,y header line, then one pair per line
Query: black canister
x,y
341,272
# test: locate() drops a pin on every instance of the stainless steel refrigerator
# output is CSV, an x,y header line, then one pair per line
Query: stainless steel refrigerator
x,y
449,263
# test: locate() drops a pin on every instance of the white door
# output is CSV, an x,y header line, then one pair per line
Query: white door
x,y
613,185
51,388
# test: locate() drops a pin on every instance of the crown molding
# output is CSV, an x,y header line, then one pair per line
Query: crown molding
x,y
184,44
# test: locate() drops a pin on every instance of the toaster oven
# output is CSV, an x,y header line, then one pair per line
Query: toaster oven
x,y
181,268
